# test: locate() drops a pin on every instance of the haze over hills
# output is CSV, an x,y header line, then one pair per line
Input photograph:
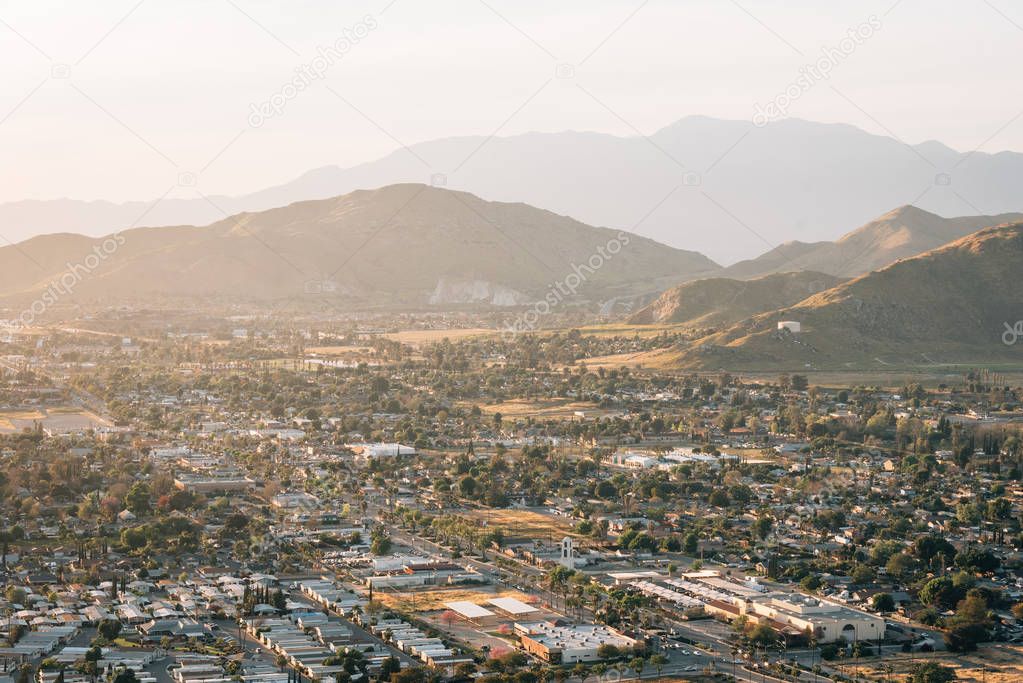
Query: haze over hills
x,y
902,233
724,188
715,301
948,305
403,244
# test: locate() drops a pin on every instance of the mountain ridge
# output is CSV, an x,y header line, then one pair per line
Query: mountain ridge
x,y
949,304
903,232
394,244
715,301
789,180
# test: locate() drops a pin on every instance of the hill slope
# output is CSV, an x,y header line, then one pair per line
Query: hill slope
x,y
950,304
790,180
721,301
403,244
902,233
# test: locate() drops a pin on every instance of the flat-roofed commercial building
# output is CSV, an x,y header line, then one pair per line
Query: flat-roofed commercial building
x,y
568,643
828,621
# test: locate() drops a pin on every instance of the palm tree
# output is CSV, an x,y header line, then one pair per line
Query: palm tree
x,y
658,661
637,665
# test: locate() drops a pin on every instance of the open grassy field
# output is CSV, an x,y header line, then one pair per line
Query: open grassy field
x,y
433,599
627,330
528,524
338,350
61,419
541,408
989,664
420,337
11,417
656,359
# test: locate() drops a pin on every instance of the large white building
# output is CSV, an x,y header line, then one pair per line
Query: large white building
x,y
558,643
791,614
827,620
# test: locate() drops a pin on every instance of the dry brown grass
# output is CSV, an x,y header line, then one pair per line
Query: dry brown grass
x,y
990,664
338,350
59,418
542,408
525,523
657,359
7,417
420,337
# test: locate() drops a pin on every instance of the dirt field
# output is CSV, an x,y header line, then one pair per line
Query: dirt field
x,y
626,330
53,419
991,664
419,337
526,523
338,350
658,359
541,408
433,599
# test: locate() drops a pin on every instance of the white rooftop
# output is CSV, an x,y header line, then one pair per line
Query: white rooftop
x,y
469,610
512,606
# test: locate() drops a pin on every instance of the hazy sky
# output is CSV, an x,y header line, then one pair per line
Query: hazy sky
x,y
115,99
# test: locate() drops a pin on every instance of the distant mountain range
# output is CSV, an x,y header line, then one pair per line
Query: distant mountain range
x,y
902,233
724,188
405,245
948,305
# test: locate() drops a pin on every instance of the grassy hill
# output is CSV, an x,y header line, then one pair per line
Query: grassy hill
x,y
712,302
948,305
902,233
402,244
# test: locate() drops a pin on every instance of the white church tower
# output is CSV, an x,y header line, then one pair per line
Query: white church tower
x,y
567,558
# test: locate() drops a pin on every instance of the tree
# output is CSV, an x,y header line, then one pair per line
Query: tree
x,y
883,602
389,666
970,624
926,548
468,486
719,498
977,560
465,670
810,582
861,574
109,628
691,543
125,676
606,490
658,661
137,499
380,543
932,672
762,527
900,564
940,592
762,634
637,665
413,674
